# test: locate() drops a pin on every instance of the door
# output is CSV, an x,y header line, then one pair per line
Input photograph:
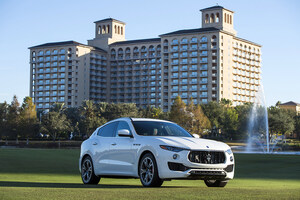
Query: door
x,y
101,146
122,154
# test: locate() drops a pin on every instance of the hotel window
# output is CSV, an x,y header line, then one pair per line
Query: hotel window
x,y
184,47
184,41
194,39
175,48
175,41
175,68
62,51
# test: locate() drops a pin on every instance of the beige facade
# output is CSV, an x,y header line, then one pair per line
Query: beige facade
x,y
206,64
293,106
67,72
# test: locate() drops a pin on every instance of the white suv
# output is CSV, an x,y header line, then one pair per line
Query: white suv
x,y
154,151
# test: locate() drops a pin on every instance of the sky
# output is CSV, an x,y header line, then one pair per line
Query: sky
x,y
275,24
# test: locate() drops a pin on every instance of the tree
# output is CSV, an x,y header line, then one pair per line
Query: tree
x,y
55,122
28,119
90,119
114,111
297,126
243,112
13,118
280,120
200,121
152,112
230,122
178,112
3,119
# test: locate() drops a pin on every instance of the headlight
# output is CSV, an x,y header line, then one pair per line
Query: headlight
x,y
170,148
228,151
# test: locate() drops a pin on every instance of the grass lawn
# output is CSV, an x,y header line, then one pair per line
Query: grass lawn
x,y
53,174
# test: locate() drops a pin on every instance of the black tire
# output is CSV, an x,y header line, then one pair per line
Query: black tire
x,y
87,172
215,183
148,171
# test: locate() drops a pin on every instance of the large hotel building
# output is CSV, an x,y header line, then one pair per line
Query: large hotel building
x,y
205,64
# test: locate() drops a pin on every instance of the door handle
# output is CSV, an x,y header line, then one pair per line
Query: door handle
x,y
114,144
95,143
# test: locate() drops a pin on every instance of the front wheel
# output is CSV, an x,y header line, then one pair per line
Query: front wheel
x,y
148,171
215,183
87,172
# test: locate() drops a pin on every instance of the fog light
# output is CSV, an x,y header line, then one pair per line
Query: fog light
x,y
175,156
231,158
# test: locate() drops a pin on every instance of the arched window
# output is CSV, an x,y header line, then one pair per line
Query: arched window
x,y
184,41
194,40
103,29
54,51
121,30
41,53
213,38
217,18
118,29
127,50
230,19
166,42
143,49
99,29
225,18
107,29
62,51
33,53
203,39
206,19
113,52
212,18
120,51
174,41
47,52
158,48
135,49
151,48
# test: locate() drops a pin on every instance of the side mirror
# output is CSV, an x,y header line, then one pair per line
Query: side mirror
x,y
196,136
124,133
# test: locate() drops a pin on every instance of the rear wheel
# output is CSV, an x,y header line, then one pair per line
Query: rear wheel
x,y
215,183
148,171
87,172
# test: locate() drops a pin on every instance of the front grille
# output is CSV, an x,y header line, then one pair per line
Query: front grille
x,y
207,157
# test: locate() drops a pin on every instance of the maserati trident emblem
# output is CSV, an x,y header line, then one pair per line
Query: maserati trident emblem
x,y
208,157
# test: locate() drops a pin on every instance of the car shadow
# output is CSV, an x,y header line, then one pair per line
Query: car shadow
x,y
69,185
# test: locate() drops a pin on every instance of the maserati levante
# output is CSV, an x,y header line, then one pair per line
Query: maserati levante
x,y
153,151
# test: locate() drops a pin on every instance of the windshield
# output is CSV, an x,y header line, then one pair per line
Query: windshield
x,y
154,128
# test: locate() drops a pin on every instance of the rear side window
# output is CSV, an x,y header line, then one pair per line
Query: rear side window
x,y
108,130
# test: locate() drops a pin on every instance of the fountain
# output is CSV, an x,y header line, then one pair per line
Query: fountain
x,y
258,127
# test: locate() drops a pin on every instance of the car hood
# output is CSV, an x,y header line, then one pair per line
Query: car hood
x,y
192,143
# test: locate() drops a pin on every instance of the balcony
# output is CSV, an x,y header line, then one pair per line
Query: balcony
x,y
203,68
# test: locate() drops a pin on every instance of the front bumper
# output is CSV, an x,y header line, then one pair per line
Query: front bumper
x,y
180,167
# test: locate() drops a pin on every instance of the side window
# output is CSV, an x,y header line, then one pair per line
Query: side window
x,y
108,130
123,125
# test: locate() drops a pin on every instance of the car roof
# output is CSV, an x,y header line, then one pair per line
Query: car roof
x,y
149,119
